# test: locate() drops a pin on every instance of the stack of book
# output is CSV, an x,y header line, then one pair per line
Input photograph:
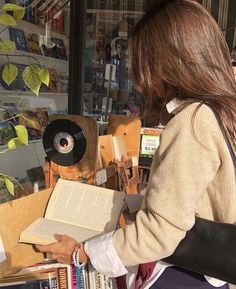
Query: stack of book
x,y
52,275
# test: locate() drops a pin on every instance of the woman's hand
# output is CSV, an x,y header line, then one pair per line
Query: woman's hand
x,y
61,250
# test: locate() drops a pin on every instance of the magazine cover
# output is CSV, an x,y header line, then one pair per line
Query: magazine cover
x,y
18,36
60,46
33,42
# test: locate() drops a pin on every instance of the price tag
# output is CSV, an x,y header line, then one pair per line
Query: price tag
x,y
149,144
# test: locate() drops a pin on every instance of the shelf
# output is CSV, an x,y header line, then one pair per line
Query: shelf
x,y
29,93
39,56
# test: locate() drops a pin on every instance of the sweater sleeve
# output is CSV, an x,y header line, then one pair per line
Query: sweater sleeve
x,y
184,166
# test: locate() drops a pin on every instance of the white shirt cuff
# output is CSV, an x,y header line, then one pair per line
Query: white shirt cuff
x,y
103,256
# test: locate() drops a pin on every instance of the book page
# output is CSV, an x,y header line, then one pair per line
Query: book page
x,y
85,205
42,232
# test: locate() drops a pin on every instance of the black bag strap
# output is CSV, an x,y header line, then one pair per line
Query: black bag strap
x,y
222,128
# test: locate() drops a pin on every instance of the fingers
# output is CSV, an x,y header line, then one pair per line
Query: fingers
x,y
59,237
43,248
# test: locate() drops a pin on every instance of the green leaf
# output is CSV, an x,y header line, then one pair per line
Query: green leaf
x,y
22,134
31,78
7,46
18,11
18,14
44,76
9,73
7,19
12,7
13,143
9,184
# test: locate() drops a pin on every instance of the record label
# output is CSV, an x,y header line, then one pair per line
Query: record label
x,y
64,142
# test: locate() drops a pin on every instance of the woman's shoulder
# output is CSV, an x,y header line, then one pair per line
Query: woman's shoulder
x,y
195,115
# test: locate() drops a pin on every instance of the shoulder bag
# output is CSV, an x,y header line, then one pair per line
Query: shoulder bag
x,y
209,247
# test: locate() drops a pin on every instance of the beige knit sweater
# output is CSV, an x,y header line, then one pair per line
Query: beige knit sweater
x,y
191,175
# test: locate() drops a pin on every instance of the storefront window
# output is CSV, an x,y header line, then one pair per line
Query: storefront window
x,y
109,24
33,82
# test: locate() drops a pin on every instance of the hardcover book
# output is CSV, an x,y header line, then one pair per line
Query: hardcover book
x,y
79,210
18,36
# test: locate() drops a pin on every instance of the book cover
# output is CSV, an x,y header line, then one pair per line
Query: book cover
x,y
63,272
79,210
18,83
50,51
18,36
54,83
42,280
35,121
60,46
27,4
64,81
33,42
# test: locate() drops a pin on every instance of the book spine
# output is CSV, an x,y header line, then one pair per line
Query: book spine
x,y
62,278
85,276
73,277
91,277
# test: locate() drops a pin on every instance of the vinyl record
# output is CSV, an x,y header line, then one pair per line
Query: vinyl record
x,y
64,142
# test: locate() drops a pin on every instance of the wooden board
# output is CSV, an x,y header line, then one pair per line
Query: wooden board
x,y
105,143
129,127
85,169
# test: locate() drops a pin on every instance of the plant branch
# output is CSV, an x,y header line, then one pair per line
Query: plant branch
x,y
4,29
21,55
8,119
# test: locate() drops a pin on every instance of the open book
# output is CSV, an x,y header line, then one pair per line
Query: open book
x,y
78,210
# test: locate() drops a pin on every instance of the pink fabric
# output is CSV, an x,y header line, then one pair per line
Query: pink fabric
x,y
143,274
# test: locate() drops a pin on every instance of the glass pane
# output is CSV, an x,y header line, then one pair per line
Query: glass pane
x,y
33,84
108,87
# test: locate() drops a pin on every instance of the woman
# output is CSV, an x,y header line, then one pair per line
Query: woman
x,y
180,62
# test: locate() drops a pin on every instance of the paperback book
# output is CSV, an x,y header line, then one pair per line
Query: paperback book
x,y
39,280
79,210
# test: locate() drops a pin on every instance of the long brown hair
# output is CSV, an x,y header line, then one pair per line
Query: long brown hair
x,y
178,50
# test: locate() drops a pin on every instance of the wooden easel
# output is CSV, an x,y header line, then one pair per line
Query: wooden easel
x,y
125,173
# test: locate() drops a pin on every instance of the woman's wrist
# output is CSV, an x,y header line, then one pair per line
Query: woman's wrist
x,y
79,257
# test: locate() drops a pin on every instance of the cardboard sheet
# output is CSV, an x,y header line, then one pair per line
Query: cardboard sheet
x,y
14,217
